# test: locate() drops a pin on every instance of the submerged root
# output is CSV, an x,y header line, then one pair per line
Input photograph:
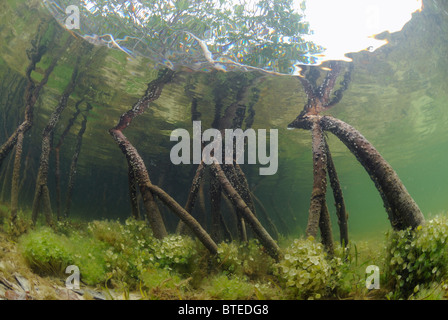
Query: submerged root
x,y
402,210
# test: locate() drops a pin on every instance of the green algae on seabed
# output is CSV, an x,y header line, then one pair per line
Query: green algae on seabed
x,y
126,258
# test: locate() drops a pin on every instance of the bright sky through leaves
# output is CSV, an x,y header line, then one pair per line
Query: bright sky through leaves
x,y
343,26
269,35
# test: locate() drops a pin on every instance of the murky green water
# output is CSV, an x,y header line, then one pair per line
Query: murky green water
x,y
397,99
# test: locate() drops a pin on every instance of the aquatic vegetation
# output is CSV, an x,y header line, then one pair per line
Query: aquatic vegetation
x,y
46,252
138,247
156,278
16,228
107,250
125,257
305,271
230,288
417,258
244,259
128,256
4,213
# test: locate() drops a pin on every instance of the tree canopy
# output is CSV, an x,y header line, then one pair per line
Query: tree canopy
x,y
198,34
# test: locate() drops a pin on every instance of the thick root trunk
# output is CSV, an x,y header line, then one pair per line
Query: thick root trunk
x,y
135,161
16,177
318,214
191,222
402,210
338,198
248,216
138,166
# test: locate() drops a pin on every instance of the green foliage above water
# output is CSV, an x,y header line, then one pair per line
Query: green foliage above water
x,y
198,34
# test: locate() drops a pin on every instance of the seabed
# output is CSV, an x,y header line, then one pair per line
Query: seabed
x,y
123,261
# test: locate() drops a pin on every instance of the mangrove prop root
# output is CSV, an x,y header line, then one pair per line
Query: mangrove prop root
x,y
265,214
230,208
239,203
57,150
133,195
326,232
197,179
341,212
57,177
402,210
135,161
41,182
42,176
320,180
192,195
329,82
138,166
243,89
225,231
152,93
47,138
319,97
319,101
202,208
42,198
31,95
177,209
6,179
74,163
33,90
47,205
338,94
12,95
27,169
246,194
215,208
230,172
16,177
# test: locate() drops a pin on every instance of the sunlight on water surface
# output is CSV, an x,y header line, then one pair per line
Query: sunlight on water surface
x,y
237,35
